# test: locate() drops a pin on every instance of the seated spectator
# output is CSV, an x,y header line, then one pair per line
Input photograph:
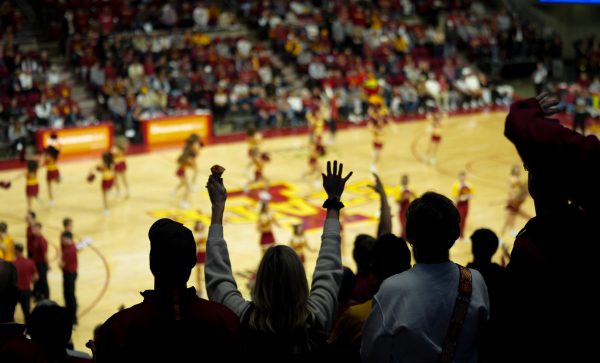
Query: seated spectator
x,y
412,317
366,283
284,321
172,323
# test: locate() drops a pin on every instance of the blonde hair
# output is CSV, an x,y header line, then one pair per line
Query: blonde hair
x,y
280,295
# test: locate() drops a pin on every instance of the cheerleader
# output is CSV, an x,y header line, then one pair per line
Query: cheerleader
x,y
462,192
314,169
107,171
517,194
258,162
378,120
405,196
299,242
265,227
194,144
253,139
118,152
435,132
199,231
316,124
49,160
32,187
184,162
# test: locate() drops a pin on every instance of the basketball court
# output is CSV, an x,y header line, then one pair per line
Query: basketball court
x,y
115,268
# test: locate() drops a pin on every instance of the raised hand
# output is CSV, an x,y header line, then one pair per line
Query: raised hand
x,y
548,103
216,192
333,182
378,187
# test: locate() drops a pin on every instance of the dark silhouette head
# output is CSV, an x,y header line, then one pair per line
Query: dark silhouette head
x,y
19,249
363,247
68,224
280,294
172,253
391,256
108,159
432,227
484,244
50,326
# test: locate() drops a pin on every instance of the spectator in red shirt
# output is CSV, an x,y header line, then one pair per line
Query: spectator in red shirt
x,y
39,254
30,220
172,324
26,274
68,264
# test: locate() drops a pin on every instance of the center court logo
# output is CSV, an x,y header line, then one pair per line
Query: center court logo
x,y
288,205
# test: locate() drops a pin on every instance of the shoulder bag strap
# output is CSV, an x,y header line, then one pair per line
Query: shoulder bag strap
x,y
461,305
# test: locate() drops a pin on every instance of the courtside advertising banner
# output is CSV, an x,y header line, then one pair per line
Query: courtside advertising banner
x,y
175,129
78,140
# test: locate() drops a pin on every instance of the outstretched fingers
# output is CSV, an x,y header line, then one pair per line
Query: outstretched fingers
x,y
348,176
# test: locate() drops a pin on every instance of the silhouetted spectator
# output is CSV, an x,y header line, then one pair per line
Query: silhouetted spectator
x,y
391,256
50,330
172,324
27,274
284,322
553,266
484,244
412,310
366,283
9,292
346,288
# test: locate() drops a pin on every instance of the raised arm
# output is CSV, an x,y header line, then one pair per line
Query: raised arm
x,y
549,149
220,284
385,213
327,276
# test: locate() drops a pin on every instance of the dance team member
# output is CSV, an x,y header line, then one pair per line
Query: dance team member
x,y
185,161
118,152
462,193
259,163
194,144
265,227
107,170
7,245
378,120
517,194
405,196
435,139
299,242
50,159
32,187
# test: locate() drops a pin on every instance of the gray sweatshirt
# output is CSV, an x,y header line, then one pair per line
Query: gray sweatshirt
x,y
322,302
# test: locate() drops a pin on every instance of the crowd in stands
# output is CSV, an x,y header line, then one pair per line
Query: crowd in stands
x,y
32,95
433,310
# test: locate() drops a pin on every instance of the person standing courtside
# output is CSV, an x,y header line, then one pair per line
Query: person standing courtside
x,y
26,273
39,254
68,264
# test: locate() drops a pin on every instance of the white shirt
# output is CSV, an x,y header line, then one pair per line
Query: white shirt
x,y
411,313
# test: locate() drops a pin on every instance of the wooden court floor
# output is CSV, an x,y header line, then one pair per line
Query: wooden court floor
x,y
114,269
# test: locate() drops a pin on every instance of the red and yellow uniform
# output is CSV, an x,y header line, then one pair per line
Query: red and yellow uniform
x,y
108,176
405,197
377,131
200,250
52,173
265,222
7,248
436,133
299,244
253,145
181,168
32,187
316,124
259,166
517,194
119,159
462,194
